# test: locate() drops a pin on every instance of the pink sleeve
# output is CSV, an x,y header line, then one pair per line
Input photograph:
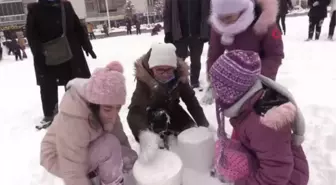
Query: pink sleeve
x,y
272,52
216,49
273,151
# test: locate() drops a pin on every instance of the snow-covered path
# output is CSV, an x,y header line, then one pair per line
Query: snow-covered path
x,y
308,71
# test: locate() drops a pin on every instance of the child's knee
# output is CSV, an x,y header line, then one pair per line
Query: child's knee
x,y
105,145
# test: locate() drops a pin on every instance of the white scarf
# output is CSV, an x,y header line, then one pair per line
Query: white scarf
x,y
229,31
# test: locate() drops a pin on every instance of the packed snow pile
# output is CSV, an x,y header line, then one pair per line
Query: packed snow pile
x,y
192,177
196,147
164,169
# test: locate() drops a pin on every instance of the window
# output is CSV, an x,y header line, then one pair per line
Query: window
x,y
7,9
150,2
90,7
102,6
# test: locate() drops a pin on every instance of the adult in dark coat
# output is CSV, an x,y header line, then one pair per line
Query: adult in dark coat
x,y
284,6
186,26
44,23
317,14
129,26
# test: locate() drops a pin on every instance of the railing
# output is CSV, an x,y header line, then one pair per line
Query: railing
x,y
11,1
5,20
96,14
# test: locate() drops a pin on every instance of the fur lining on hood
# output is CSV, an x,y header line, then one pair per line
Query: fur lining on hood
x,y
269,12
299,125
279,117
142,71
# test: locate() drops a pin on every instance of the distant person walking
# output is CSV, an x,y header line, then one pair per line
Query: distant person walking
x,y
90,31
284,7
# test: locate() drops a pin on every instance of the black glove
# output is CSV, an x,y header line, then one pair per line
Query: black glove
x,y
168,37
92,53
158,119
204,40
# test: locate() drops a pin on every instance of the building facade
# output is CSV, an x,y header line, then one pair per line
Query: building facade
x,y
96,10
12,12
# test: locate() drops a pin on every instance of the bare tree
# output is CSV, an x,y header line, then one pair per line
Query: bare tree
x,y
129,9
158,7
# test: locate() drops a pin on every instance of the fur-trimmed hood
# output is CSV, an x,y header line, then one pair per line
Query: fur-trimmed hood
x,y
266,11
143,73
277,117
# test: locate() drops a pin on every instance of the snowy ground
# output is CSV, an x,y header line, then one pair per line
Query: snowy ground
x,y
308,71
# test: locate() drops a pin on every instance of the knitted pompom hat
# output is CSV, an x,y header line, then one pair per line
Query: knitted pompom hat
x,y
233,74
106,86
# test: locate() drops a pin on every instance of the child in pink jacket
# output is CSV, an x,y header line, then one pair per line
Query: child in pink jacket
x,y
269,125
86,139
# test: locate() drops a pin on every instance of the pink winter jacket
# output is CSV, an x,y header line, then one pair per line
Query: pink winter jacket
x,y
64,148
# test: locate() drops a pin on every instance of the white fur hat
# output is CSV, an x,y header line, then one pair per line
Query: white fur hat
x,y
162,55
223,7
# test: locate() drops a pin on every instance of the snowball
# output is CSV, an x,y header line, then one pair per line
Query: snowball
x,y
196,147
165,169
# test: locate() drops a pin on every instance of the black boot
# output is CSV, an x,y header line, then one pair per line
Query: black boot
x,y
317,35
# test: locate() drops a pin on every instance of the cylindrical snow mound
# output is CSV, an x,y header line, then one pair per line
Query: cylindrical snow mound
x,y
196,147
165,169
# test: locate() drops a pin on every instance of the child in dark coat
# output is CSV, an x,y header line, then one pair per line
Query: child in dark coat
x,y
264,115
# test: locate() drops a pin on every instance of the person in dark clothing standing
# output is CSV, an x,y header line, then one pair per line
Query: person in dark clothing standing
x,y
16,49
284,6
317,14
129,26
332,23
44,23
138,27
0,50
186,26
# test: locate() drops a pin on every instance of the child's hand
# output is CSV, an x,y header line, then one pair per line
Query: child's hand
x,y
208,97
316,3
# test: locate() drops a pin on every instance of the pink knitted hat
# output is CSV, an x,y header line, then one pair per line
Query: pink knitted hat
x,y
106,86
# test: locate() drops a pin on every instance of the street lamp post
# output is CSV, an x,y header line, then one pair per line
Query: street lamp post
x,y
108,15
147,13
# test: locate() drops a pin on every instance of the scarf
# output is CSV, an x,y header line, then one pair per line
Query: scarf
x,y
229,31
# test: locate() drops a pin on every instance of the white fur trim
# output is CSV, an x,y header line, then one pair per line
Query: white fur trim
x,y
229,31
221,7
299,125
278,117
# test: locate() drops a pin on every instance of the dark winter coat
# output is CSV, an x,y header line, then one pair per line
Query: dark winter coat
x,y
150,95
184,18
284,6
269,46
137,25
14,45
128,24
0,51
44,23
320,11
263,126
